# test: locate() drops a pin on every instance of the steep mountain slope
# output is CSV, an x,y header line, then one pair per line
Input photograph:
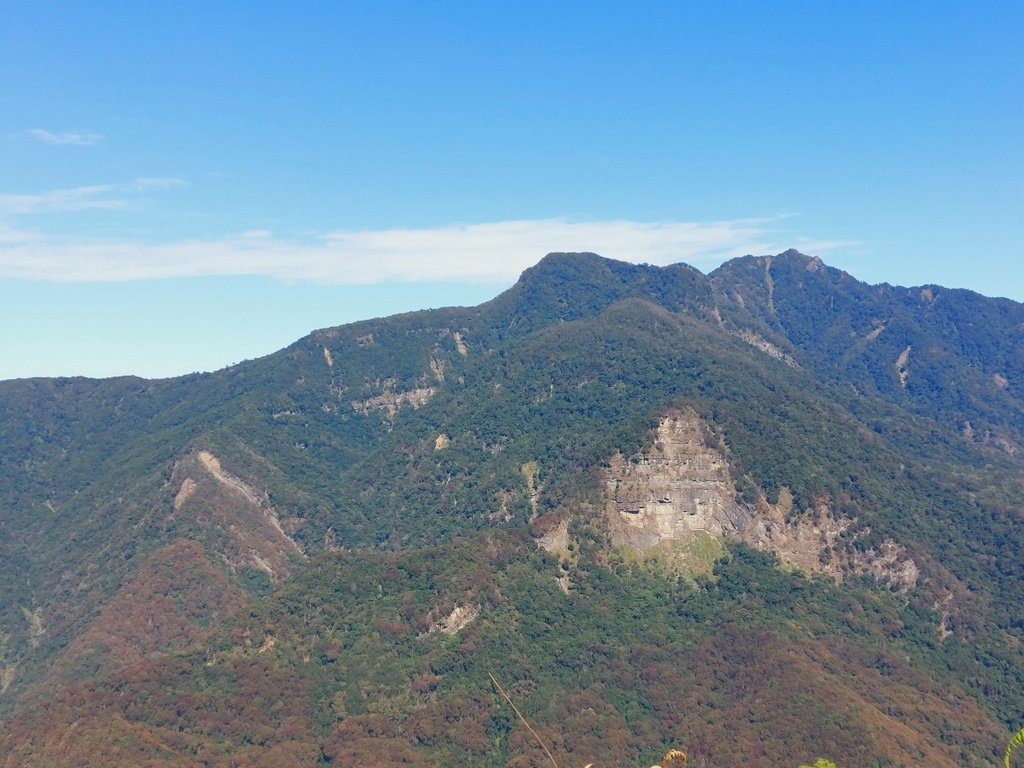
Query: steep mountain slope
x,y
950,354
355,522
351,661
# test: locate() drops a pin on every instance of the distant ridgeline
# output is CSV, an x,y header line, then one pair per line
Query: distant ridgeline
x,y
765,515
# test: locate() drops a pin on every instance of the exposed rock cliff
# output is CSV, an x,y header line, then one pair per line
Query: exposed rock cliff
x,y
677,488
243,525
392,402
681,491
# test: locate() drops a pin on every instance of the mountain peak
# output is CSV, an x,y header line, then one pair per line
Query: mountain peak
x,y
810,263
571,257
793,253
790,258
571,286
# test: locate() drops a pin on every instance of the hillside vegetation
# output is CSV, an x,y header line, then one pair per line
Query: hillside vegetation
x,y
323,556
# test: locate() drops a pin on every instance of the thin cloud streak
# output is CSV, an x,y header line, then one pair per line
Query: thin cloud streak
x,y
489,252
144,183
71,139
93,197
14,235
61,200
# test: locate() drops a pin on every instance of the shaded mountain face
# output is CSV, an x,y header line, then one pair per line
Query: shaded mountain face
x,y
951,355
768,514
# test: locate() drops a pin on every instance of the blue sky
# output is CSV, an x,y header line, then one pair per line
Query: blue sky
x,y
185,185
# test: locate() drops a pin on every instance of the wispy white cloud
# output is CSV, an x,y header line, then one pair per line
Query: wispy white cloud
x,y
156,182
14,235
488,252
61,200
66,139
500,250
93,197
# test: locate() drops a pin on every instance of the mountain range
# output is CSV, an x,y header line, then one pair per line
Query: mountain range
x,y
766,515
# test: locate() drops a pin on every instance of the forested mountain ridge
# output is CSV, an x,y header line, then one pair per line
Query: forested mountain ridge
x,y
947,353
354,521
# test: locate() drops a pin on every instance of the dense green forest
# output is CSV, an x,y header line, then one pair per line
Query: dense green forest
x,y
323,556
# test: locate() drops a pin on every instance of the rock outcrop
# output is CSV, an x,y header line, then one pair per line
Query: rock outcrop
x,y
670,492
681,489
392,402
